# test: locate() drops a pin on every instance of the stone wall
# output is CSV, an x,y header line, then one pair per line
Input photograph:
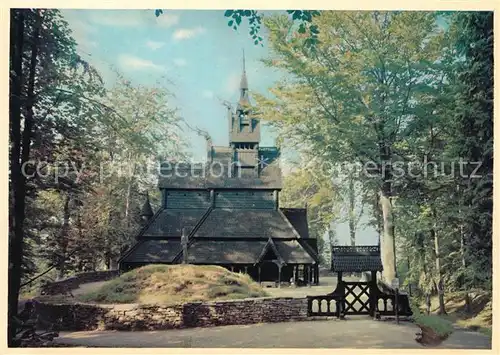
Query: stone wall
x,y
75,281
188,315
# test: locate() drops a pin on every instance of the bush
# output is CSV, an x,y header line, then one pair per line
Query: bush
x,y
439,325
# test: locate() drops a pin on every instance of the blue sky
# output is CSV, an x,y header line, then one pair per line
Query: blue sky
x,y
194,53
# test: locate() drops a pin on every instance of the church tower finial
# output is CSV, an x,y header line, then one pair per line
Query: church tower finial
x,y
244,81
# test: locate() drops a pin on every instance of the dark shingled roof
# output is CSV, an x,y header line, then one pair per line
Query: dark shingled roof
x,y
216,174
292,252
244,252
215,251
169,222
224,252
298,218
356,259
238,223
153,251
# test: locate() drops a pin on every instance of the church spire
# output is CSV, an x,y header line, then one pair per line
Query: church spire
x,y
244,82
244,85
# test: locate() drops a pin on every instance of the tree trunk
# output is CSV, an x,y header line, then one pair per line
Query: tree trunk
x,y
113,264
468,303
428,303
64,239
387,244
439,284
352,211
127,204
129,189
17,182
376,209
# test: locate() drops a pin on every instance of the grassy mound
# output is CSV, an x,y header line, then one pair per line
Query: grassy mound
x,y
173,284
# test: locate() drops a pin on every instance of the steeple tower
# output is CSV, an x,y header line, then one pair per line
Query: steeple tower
x,y
244,131
244,86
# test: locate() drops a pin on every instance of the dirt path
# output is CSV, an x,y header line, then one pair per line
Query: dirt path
x,y
353,333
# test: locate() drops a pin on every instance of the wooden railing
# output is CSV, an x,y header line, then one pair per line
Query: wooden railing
x,y
386,305
370,300
325,305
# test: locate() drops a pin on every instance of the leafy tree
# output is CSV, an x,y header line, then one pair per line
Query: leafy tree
x,y
62,118
308,188
43,60
473,141
357,94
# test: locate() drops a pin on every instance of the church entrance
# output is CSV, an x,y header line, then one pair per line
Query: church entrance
x,y
269,271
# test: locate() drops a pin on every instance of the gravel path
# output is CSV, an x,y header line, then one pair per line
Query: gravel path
x,y
351,333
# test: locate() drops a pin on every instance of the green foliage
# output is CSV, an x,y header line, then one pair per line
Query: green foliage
x,y
304,18
473,140
440,325
358,96
397,87
100,140
254,22
306,187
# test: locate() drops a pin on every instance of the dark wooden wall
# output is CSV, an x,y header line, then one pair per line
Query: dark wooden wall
x,y
188,199
245,199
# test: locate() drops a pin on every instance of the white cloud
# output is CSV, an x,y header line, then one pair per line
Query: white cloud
x,y
180,62
154,45
207,94
186,33
167,20
127,61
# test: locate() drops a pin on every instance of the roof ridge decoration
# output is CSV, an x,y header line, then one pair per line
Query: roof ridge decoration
x,y
270,244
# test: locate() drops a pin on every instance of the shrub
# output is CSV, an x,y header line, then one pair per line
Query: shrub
x,y
439,325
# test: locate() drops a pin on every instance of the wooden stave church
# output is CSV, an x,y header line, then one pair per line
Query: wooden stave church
x,y
227,213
